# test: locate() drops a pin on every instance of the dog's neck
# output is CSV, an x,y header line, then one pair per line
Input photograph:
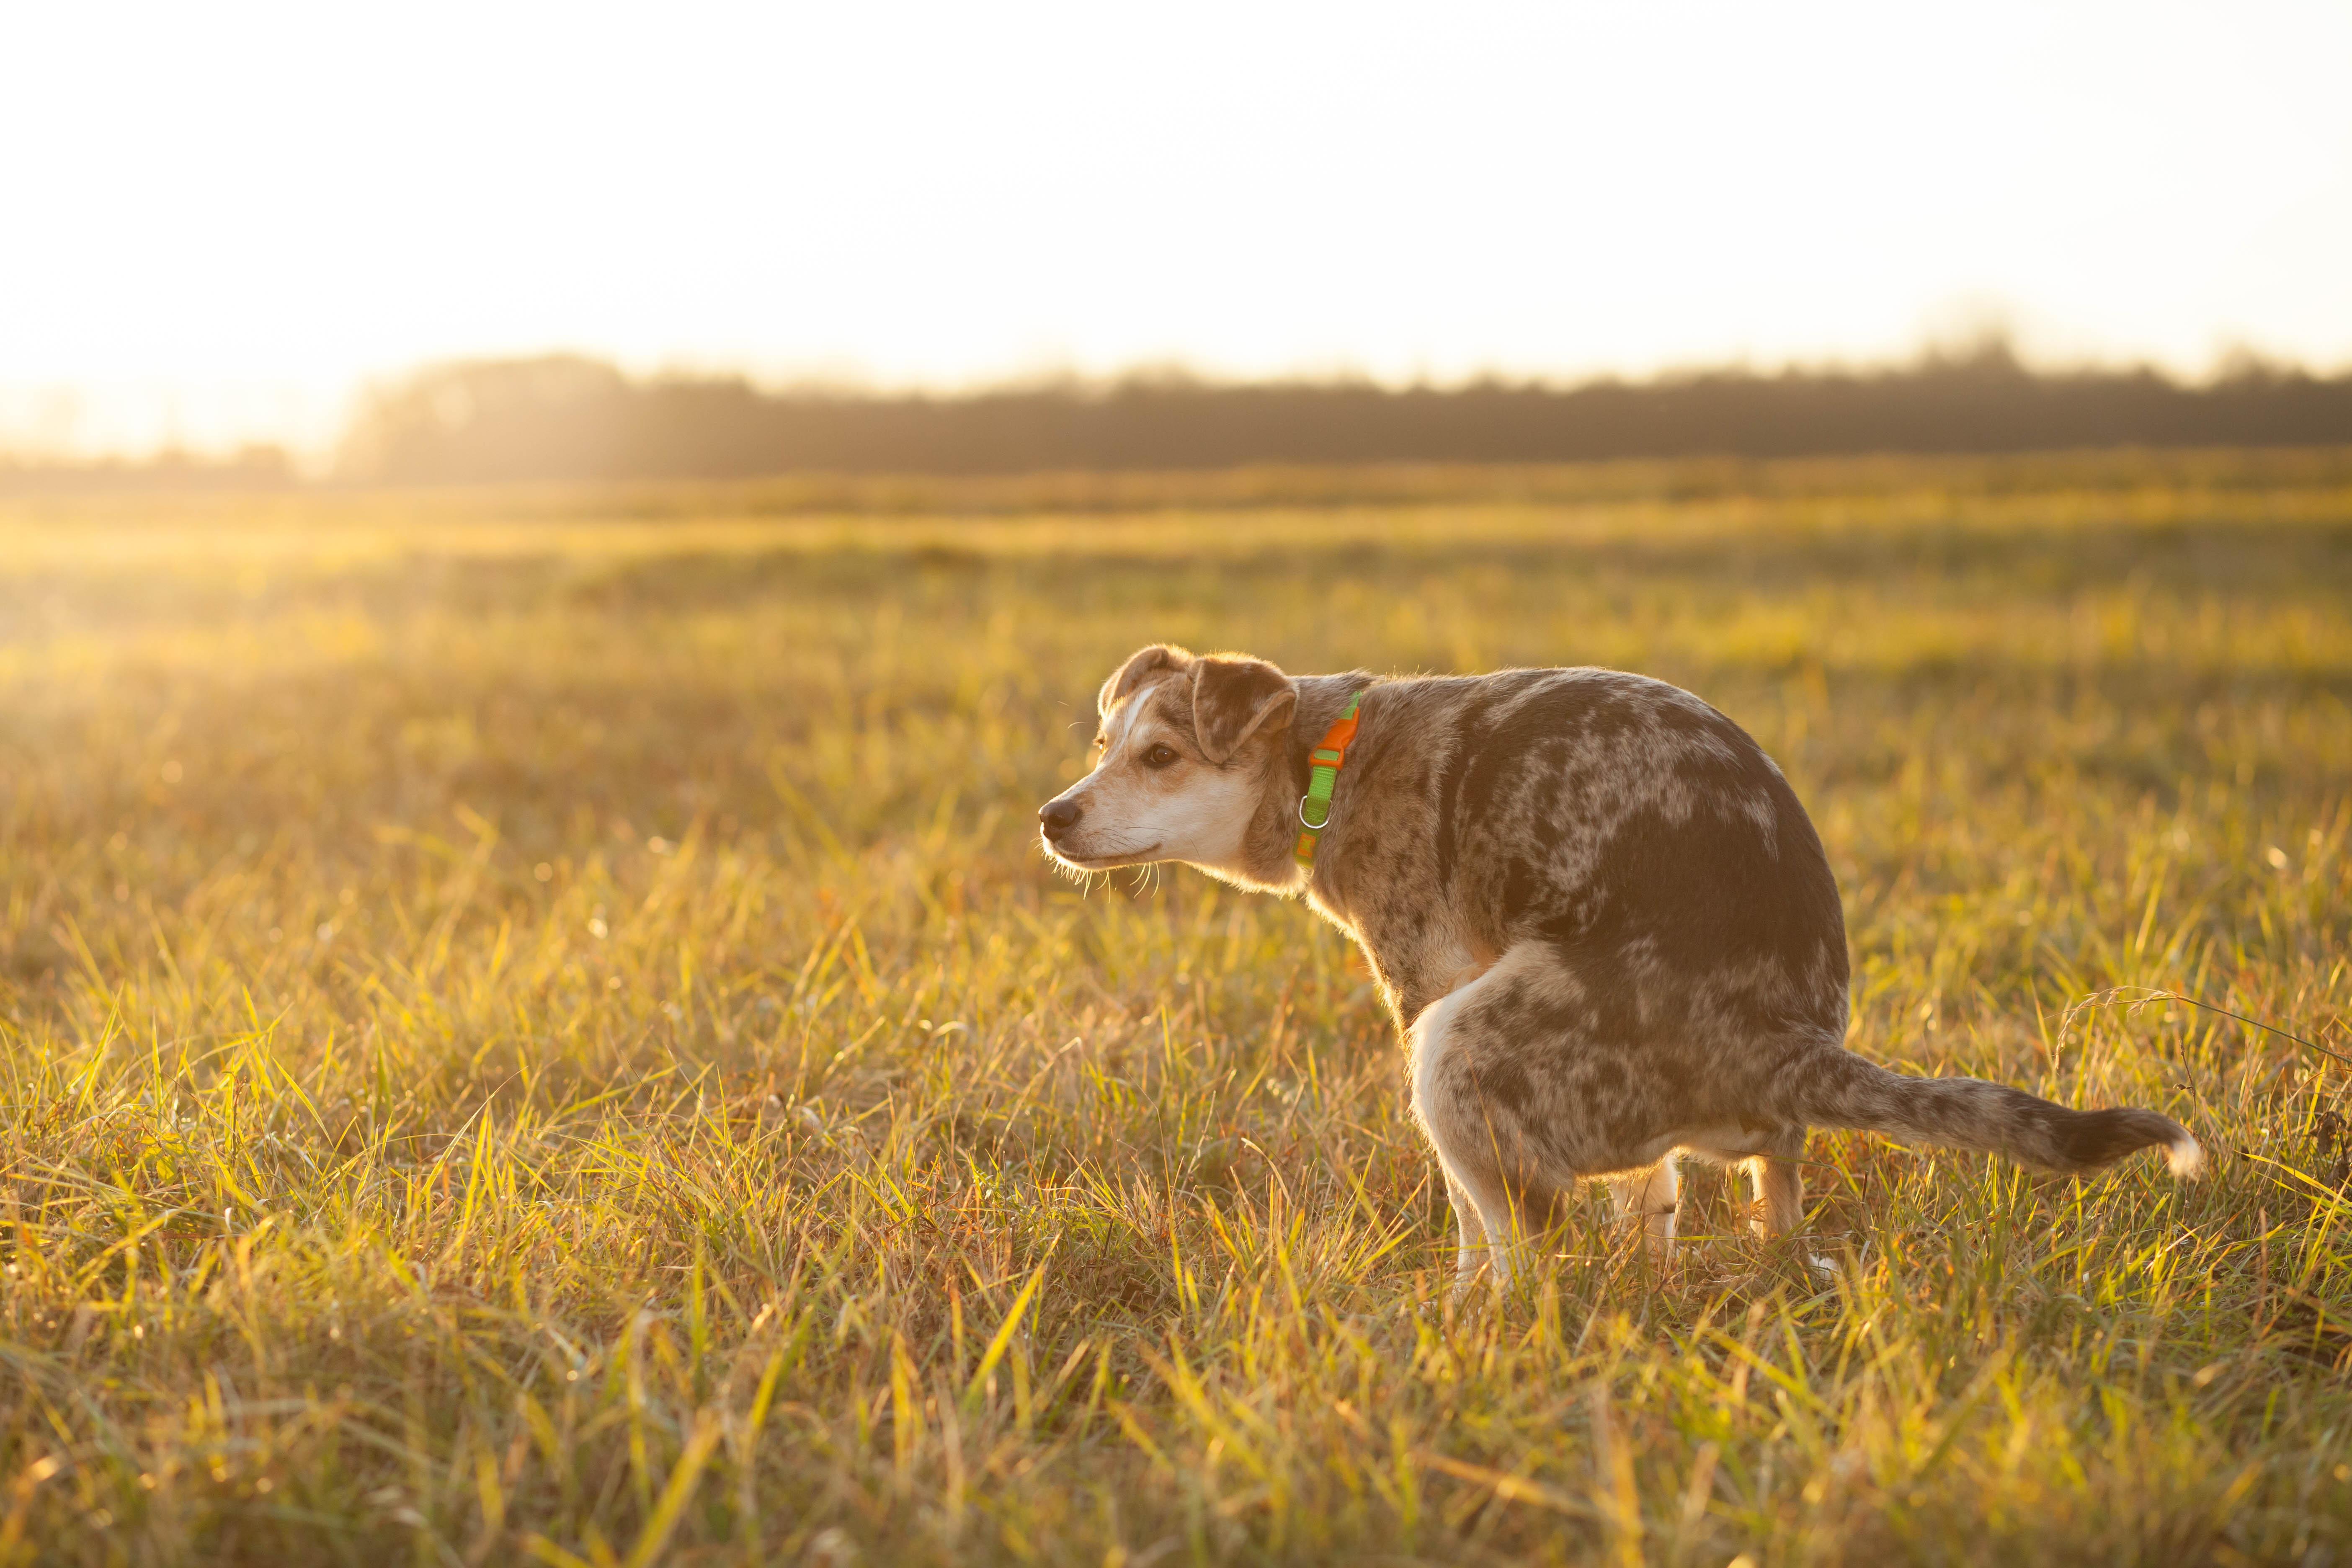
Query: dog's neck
x,y
1321,700
1268,863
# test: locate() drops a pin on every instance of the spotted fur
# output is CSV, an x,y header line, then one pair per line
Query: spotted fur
x,y
1599,914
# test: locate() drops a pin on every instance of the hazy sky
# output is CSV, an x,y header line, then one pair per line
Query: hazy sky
x,y
216,220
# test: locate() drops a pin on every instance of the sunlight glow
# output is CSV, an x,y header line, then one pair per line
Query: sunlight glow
x,y
218,220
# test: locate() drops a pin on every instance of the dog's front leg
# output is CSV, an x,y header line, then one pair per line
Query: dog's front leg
x,y
1469,1235
1465,1131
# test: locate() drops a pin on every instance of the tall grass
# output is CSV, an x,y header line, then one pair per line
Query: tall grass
x,y
529,1030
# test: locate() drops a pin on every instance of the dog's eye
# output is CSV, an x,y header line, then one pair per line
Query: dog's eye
x,y
1159,757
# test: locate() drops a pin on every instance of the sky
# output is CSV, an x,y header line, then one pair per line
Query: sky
x,y
218,222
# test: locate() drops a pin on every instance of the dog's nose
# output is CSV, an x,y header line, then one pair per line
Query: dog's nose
x,y
1059,816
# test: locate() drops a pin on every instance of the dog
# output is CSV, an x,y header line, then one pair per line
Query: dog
x,y
1602,922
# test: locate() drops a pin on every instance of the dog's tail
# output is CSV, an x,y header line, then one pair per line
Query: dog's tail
x,y
1838,1089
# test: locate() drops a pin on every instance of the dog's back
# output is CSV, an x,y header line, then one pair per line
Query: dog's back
x,y
1658,948
1640,835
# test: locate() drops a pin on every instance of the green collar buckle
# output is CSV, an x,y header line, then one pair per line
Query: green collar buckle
x,y
1325,762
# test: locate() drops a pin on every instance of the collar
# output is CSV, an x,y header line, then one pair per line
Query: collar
x,y
1324,763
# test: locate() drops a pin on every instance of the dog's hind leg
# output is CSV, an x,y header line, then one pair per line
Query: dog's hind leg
x,y
1497,1085
1655,1195
1779,1176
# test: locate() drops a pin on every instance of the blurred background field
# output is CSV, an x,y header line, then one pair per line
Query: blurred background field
x,y
532,1024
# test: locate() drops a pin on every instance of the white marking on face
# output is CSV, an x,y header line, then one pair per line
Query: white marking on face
x,y
1153,796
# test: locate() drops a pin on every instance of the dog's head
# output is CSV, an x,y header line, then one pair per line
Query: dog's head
x,y
1182,763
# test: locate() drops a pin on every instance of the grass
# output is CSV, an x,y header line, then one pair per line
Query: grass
x,y
532,1027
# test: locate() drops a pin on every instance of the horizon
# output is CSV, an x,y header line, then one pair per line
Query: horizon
x,y
1995,345
245,228
318,456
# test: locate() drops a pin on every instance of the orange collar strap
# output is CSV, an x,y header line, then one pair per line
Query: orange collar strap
x,y
1325,762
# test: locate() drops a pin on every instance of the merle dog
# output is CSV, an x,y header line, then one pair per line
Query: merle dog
x,y
1598,912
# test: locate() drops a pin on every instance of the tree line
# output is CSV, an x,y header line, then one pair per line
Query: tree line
x,y
571,418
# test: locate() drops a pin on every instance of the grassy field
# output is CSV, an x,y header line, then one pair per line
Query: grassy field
x,y
532,1025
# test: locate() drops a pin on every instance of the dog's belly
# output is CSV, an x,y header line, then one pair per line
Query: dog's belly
x,y
1719,1144
1724,1145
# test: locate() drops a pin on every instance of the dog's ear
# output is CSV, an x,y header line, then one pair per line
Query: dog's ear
x,y
1233,698
1141,663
